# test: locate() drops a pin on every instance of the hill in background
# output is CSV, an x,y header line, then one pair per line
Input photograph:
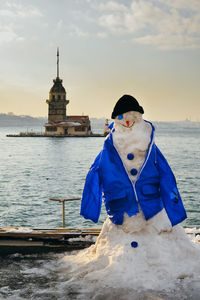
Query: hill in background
x,y
11,120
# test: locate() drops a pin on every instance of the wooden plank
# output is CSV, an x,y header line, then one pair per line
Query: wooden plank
x,y
49,231
13,238
47,234
20,243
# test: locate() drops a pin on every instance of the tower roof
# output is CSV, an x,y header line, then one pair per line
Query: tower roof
x,y
57,86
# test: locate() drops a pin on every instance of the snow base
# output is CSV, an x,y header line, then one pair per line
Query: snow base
x,y
163,262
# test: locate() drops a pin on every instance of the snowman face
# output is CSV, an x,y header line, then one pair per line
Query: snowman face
x,y
128,119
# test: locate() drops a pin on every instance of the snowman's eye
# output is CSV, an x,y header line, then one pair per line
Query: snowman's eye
x,y
120,117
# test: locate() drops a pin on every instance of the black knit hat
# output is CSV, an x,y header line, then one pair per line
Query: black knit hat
x,y
124,104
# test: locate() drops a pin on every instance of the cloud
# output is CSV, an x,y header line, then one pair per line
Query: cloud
x,y
15,9
59,24
182,4
111,6
77,31
102,35
7,35
114,23
6,13
172,24
169,42
12,16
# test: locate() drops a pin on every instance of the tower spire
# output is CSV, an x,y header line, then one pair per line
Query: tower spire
x,y
57,62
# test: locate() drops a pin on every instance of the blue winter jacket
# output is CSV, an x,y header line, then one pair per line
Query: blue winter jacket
x,y
154,189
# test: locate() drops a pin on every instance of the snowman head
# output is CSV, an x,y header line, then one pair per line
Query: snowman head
x,y
127,111
128,119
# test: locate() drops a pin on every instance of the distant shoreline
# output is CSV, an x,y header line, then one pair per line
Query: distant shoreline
x,y
11,120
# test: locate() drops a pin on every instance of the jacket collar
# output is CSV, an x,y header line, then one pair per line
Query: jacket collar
x,y
109,139
149,148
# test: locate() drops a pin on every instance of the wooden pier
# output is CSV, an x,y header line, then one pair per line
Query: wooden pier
x,y
38,134
27,240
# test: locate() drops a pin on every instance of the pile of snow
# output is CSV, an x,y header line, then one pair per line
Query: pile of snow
x,y
160,262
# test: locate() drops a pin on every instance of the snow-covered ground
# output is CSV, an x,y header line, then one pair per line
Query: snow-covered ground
x,y
60,276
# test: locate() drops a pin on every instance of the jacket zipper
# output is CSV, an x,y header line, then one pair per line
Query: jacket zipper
x,y
144,164
133,184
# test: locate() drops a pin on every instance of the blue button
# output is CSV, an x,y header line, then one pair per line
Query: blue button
x,y
133,172
130,156
120,117
134,244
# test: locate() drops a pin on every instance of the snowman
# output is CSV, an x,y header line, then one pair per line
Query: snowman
x,y
132,176
141,245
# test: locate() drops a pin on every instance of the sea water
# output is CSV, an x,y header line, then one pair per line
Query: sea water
x,y
32,170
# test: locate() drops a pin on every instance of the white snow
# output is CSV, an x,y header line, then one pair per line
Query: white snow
x,y
160,262
87,238
17,229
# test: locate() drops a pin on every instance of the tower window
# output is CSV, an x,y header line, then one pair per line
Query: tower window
x,y
51,128
58,97
79,128
53,97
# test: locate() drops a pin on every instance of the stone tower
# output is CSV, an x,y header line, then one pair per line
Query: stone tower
x,y
57,99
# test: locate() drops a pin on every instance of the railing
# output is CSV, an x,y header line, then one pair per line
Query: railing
x,y
63,206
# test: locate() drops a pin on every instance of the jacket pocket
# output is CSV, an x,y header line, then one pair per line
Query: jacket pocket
x,y
151,190
115,195
115,202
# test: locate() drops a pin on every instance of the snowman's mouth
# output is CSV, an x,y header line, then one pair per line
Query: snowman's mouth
x,y
128,124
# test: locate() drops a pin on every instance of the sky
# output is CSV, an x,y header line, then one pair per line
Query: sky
x,y
149,49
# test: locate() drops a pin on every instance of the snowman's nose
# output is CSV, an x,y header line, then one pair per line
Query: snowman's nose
x,y
127,123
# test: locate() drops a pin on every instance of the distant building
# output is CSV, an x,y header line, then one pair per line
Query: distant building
x,y
58,121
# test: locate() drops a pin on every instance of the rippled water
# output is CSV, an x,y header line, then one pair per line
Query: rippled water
x,y
32,170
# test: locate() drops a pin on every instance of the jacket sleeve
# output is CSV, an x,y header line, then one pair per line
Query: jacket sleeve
x,y
169,192
92,193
